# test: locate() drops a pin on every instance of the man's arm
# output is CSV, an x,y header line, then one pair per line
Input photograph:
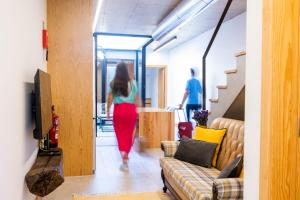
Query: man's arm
x,y
186,94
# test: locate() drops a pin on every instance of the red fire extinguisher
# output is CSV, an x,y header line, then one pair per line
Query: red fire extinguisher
x,y
53,134
45,37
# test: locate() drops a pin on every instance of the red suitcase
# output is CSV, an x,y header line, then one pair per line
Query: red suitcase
x,y
185,129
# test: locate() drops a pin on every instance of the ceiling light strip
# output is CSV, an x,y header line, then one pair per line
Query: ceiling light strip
x,y
166,43
183,13
122,35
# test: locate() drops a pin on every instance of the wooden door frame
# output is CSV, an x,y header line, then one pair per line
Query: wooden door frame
x,y
279,160
162,90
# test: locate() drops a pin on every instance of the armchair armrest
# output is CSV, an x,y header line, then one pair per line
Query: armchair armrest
x,y
228,188
169,148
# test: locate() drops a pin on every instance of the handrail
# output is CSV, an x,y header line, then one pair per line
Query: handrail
x,y
208,49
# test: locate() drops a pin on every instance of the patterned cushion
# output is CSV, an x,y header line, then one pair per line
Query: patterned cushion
x,y
169,148
196,182
228,188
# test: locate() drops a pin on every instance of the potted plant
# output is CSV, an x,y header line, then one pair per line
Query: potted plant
x,y
201,117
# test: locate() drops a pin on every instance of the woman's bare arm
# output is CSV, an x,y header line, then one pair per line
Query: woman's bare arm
x,y
109,103
138,101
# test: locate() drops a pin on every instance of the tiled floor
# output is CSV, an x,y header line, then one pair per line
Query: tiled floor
x,y
143,175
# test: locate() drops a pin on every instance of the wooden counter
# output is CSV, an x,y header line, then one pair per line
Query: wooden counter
x,y
155,125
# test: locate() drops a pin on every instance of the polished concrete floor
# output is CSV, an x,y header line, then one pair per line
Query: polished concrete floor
x,y
143,175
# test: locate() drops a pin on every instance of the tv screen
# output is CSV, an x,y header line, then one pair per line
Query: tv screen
x,y
43,104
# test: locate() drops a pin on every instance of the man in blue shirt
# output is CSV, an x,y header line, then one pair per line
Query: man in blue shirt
x,y
192,91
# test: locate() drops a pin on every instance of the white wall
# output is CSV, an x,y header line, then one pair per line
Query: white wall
x,y
253,99
21,54
230,40
157,58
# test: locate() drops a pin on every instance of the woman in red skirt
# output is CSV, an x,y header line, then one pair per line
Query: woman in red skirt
x,y
123,93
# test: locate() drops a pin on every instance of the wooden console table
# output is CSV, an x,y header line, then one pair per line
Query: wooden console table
x,y
45,175
155,125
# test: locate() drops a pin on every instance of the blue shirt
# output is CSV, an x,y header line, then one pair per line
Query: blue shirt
x,y
194,88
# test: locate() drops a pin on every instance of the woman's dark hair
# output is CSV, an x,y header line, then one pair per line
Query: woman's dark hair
x,y
119,84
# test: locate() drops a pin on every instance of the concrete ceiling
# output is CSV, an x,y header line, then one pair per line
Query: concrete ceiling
x,y
133,16
206,20
143,17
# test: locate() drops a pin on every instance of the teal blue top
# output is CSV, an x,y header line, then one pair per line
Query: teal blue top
x,y
133,90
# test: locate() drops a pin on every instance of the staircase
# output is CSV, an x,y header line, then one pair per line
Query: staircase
x,y
227,93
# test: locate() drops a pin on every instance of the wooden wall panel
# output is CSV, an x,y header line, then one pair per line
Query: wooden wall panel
x,y
70,65
298,152
131,70
162,84
162,94
280,92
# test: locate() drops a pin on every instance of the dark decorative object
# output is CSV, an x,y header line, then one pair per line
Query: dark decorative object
x,y
201,117
232,170
45,175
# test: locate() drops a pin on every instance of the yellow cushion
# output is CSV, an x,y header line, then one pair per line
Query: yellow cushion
x,y
210,135
242,173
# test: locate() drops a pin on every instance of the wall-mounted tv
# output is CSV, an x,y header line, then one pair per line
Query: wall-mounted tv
x,y
42,104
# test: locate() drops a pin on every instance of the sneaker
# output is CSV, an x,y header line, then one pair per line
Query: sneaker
x,y
124,167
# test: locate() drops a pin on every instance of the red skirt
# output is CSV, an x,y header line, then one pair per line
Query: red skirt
x,y
124,120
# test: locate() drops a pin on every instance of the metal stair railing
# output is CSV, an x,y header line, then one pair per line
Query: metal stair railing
x,y
221,20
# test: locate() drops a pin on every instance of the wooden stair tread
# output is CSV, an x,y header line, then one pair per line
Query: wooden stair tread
x,y
222,86
242,53
215,100
230,71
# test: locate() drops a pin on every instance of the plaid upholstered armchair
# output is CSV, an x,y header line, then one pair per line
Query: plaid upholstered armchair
x,y
191,182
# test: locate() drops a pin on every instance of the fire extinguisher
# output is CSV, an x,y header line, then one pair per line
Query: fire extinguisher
x,y
53,134
44,37
45,40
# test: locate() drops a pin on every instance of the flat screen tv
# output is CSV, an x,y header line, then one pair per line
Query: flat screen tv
x,y
42,104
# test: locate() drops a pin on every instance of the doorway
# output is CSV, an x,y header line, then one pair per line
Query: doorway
x,y
156,87
106,72
111,49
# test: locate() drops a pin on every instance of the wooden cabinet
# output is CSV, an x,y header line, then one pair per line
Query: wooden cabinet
x,y
155,125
